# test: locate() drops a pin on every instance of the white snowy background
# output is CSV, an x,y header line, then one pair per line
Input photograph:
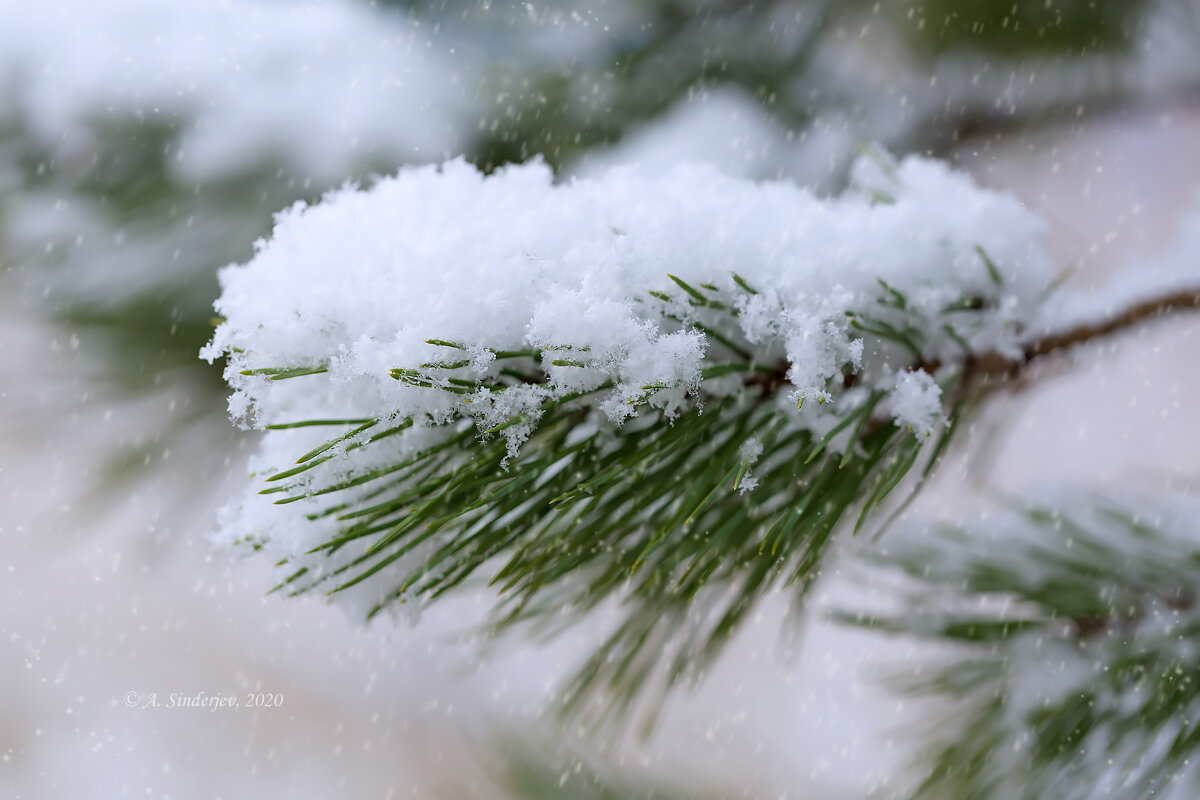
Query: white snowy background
x,y
105,595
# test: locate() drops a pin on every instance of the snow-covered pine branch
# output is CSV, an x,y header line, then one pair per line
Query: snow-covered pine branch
x,y
1074,671
654,389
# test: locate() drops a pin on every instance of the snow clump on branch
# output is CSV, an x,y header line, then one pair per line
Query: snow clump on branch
x,y
444,297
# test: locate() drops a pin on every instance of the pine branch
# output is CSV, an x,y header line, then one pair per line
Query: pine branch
x,y
673,436
573,520
576,522
1146,310
992,371
1074,669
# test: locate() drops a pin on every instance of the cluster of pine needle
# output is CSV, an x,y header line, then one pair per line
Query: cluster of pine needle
x,y
1073,669
656,512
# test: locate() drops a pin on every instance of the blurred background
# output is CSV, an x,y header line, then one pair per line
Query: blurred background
x,y
144,145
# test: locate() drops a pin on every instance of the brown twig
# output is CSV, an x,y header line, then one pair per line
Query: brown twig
x,y
1149,309
991,370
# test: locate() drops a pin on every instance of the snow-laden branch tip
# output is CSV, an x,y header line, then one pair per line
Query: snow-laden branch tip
x,y
443,294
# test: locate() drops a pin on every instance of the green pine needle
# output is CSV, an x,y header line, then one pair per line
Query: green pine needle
x,y
992,269
1073,671
655,512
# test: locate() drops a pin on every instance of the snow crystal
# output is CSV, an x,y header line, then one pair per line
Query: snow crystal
x,y
749,452
751,449
916,402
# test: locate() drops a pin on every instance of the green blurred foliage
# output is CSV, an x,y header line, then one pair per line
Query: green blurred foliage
x,y
668,49
1069,666
1024,28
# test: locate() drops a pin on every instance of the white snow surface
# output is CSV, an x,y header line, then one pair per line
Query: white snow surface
x,y
362,280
